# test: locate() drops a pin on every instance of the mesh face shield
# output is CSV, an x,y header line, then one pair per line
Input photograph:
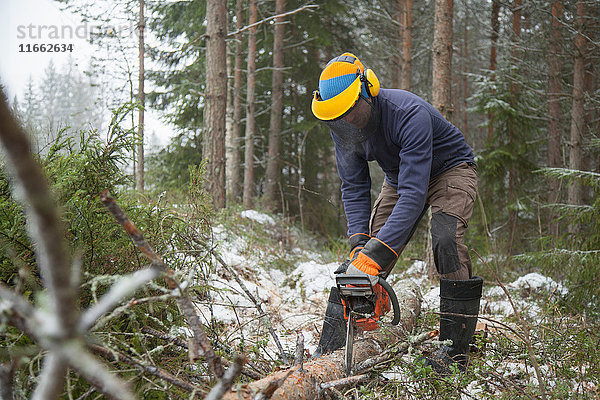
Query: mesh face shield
x,y
350,134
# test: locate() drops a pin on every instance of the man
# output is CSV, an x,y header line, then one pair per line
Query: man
x,y
427,163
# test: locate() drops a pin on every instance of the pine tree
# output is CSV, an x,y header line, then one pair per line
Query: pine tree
x,y
272,173
248,194
216,99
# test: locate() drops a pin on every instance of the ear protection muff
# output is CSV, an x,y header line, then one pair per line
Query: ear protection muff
x,y
371,82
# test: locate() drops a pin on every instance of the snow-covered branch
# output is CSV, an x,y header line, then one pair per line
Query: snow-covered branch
x,y
54,330
183,301
44,224
257,304
117,293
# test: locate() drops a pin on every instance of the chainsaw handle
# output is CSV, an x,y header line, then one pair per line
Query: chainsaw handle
x,y
393,298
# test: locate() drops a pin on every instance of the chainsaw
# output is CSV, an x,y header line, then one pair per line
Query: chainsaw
x,y
364,306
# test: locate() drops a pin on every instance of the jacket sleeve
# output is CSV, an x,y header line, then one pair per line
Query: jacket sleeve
x,y
353,170
416,142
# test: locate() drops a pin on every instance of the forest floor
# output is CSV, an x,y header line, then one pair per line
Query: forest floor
x,y
526,345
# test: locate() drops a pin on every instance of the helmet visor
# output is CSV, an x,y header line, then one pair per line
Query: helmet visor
x,y
354,129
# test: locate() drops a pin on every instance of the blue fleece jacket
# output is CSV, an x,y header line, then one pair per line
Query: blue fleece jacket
x,y
413,144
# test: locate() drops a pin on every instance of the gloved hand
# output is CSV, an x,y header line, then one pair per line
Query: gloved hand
x,y
375,256
357,243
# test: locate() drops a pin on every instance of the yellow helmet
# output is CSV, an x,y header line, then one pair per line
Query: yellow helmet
x,y
340,85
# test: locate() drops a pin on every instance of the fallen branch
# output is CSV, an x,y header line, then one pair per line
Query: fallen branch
x,y
351,380
257,304
226,381
525,337
183,301
7,372
401,349
54,329
164,336
123,288
115,356
306,383
182,343
299,359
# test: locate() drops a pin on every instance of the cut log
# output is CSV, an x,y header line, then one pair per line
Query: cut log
x,y
305,383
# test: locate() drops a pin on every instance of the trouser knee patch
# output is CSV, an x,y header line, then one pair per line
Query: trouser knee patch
x,y
443,238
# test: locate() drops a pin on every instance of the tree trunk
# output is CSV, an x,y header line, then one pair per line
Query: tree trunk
x,y
442,58
441,88
398,65
142,99
230,145
554,108
272,173
592,120
305,383
406,51
250,110
514,93
234,184
493,55
216,99
465,81
577,111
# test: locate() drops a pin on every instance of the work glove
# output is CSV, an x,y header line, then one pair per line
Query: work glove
x,y
357,243
369,261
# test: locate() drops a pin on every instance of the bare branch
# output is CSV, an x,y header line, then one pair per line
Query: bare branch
x,y
285,14
183,301
351,380
131,230
44,224
225,383
51,380
257,304
15,302
7,372
117,293
161,335
116,356
299,359
96,372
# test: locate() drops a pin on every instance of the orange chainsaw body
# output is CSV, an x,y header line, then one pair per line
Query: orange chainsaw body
x,y
382,305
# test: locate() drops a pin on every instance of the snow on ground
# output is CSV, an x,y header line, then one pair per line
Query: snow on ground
x,y
258,217
295,297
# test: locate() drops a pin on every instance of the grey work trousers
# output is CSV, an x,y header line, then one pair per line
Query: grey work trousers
x,y
451,196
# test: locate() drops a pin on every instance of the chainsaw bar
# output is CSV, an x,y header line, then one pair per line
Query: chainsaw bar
x,y
350,342
359,286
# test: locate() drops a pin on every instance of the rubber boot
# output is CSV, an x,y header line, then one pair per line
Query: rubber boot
x,y
333,334
459,308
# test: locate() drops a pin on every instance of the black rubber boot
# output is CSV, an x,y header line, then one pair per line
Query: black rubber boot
x,y
459,308
333,334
